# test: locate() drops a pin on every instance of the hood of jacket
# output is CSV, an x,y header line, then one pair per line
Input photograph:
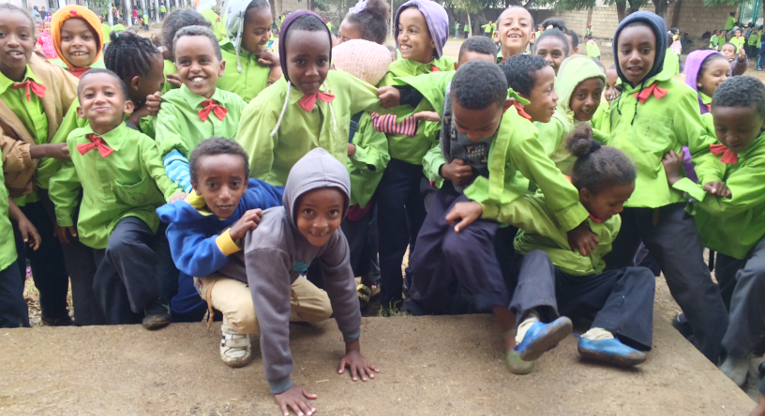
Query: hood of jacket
x,y
571,75
693,70
659,28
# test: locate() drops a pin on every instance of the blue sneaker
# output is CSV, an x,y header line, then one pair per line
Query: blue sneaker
x,y
541,337
610,351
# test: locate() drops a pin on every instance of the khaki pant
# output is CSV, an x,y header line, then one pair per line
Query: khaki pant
x,y
233,299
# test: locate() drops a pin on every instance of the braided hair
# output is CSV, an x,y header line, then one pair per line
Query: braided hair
x,y
597,167
129,55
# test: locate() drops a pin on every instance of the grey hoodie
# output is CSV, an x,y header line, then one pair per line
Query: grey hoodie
x,y
276,253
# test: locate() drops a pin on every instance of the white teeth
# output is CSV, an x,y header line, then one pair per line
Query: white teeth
x,y
197,79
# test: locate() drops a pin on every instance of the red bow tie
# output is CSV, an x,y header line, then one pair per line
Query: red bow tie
x,y
77,72
598,220
434,68
521,112
646,93
210,105
95,143
729,158
28,85
308,101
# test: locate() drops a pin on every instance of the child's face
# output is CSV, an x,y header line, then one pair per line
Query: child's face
x,y
737,127
514,30
571,49
102,102
257,30
319,214
586,99
637,52
221,181
78,42
307,60
608,202
611,91
17,42
348,31
47,25
717,71
142,86
477,124
198,65
543,97
729,51
393,56
552,50
414,40
468,56
738,33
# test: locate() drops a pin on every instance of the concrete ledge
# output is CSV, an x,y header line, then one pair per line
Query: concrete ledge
x,y
429,366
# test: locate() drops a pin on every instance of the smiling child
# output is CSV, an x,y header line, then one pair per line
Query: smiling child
x,y
553,47
514,29
78,39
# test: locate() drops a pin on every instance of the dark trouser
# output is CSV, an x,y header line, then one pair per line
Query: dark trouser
x,y
742,283
48,268
622,299
400,215
81,265
674,243
466,34
13,308
444,259
187,305
363,249
762,387
126,282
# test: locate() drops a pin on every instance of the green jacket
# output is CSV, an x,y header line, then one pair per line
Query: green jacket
x,y
600,120
215,23
732,226
366,167
272,157
671,63
169,69
119,27
714,41
739,42
7,246
754,39
730,21
646,132
413,149
179,126
130,182
539,230
251,81
593,51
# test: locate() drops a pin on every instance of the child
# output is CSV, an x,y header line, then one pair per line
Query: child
x,y
106,30
553,47
573,41
515,32
753,43
78,39
250,61
726,222
286,240
45,41
367,20
145,21
122,180
671,58
593,51
119,27
198,109
601,120
739,41
653,115
738,64
676,45
553,281
34,96
714,40
176,21
204,232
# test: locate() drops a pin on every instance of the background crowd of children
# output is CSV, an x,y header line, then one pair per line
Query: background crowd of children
x,y
221,176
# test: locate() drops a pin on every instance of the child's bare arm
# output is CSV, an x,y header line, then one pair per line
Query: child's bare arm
x,y
26,228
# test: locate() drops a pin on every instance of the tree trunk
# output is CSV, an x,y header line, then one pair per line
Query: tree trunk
x,y
470,25
676,13
660,7
621,9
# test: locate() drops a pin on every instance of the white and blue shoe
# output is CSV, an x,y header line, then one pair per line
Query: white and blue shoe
x,y
541,337
610,351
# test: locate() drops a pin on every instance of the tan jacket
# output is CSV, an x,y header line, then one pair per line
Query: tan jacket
x,y
18,166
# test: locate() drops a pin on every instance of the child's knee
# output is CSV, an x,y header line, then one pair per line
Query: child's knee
x,y
243,319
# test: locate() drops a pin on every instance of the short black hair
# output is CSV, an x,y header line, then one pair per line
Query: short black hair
x,y
574,38
597,167
308,23
94,71
199,31
555,23
513,7
521,72
708,61
741,91
129,55
556,33
217,146
13,8
478,44
479,84
177,20
372,21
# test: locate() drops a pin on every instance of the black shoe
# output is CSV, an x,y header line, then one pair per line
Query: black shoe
x,y
761,369
157,316
65,320
682,325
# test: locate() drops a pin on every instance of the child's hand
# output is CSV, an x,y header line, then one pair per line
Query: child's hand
x,y
389,96
457,171
351,149
427,116
178,196
249,221
718,189
60,233
174,79
294,398
468,212
152,103
267,57
28,231
673,165
358,365
583,240
274,75
741,54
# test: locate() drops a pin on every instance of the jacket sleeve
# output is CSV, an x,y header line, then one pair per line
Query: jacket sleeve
x,y
197,255
257,122
64,192
168,133
335,264
263,195
154,166
363,96
691,131
371,148
746,192
16,156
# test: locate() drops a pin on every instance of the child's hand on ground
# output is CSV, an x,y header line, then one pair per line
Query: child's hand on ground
x,y
61,233
468,212
294,398
178,196
389,96
29,232
358,365
673,165
427,116
152,103
457,171
718,189
249,221
351,149
583,240
174,79
267,57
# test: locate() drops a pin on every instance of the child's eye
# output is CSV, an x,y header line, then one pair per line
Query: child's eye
x,y
334,212
300,62
211,185
321,61
307,212
235,184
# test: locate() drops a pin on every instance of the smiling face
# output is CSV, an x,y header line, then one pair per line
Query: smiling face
x,y
611,90
348,31
257,30
198,66
102,102
737,127
608,202
729,51
637,52
79,44
476,124
17,42
307,59
552,50
514,30
319,214
140,87
414,41
717,71
221,181
586,99
543,97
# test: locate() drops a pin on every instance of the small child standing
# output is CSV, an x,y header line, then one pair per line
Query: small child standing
x,y
122,180
714,40
78,39
593,51
738,63
366,20
45,41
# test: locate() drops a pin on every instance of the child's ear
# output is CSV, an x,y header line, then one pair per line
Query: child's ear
x,y
129,107
134,82
80,113
533,37
222,68
509,103
585,195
